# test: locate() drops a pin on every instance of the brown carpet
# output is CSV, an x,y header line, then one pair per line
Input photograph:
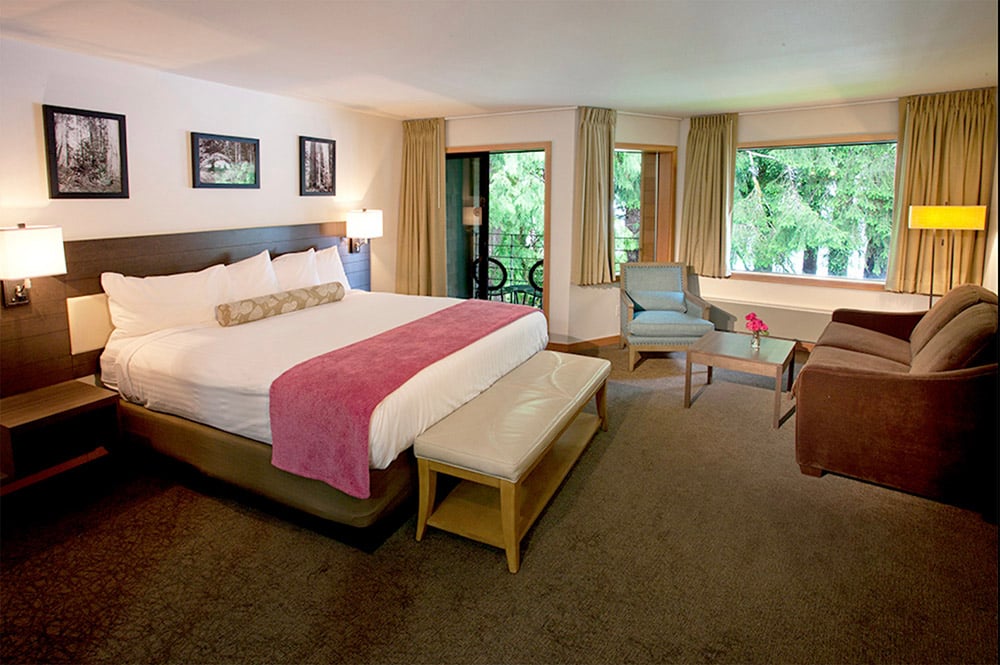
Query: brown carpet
x,y
681,536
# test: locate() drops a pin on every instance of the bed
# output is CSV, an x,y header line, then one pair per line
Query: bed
x,y
198,391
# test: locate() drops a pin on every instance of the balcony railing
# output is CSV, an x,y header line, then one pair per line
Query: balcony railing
x,y
520,256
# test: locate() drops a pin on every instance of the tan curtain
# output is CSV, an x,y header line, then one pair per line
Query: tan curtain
x,y
709,178
945,156
421,267
595,154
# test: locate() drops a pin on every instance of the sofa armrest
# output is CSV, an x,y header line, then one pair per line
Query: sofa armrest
x,y
932,434
897,324
699,303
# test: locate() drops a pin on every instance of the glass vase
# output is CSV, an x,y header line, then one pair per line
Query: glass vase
x,y
755,340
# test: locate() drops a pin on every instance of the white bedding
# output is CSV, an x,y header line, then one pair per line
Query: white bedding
x,y
221,376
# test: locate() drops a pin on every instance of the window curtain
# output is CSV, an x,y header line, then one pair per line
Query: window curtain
x,y
945,155
709,178
421,267
595,154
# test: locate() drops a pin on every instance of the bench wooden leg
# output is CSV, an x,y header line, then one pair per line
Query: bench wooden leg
x,y
602,405
508,520
427,492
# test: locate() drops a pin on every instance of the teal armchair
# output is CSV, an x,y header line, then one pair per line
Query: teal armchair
x,y
657,311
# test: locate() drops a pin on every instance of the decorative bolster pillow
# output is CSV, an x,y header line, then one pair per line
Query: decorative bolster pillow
x,y
262,307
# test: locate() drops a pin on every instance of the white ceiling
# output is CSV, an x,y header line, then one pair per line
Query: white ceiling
x,y
413,58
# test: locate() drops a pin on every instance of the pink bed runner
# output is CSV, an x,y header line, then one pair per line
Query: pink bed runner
x,y
321,409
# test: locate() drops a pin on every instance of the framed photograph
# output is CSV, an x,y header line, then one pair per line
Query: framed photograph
x,y
225,161
85,153
317,166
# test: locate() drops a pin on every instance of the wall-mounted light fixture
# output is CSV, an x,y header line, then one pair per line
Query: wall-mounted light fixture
x,y
472,216
951,218
363,225
26,252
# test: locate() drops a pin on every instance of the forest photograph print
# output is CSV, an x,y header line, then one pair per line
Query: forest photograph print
x,y
85,153
317,166
225,161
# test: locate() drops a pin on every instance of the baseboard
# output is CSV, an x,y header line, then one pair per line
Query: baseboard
x,y
583,346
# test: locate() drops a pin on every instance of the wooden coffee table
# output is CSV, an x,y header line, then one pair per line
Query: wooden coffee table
x,y
732,351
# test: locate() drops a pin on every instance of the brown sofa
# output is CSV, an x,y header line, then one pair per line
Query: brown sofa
x,y
906,400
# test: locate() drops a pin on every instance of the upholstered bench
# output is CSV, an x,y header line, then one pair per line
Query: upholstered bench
x,y
511,447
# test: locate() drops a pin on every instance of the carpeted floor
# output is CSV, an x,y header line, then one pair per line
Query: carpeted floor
x,y
683,535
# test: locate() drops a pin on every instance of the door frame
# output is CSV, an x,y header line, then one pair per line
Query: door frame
x,y
543,146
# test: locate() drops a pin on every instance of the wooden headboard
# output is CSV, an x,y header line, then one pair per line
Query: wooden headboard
x,y
34,338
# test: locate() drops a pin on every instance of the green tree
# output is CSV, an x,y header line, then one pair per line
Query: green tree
x,y
628,205
810,201
517,211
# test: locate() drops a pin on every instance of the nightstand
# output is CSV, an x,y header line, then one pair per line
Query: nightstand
x,y
53,429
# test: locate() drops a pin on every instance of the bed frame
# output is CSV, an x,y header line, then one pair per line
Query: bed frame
x,y
236,460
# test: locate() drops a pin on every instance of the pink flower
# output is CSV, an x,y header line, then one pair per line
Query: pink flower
x,y
755,324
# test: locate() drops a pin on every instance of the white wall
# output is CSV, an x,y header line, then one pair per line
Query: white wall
x,y
161,110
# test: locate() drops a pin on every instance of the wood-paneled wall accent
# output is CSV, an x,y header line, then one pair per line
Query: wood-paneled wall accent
x,y
34,339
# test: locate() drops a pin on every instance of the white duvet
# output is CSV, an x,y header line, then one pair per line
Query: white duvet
x,y
221,376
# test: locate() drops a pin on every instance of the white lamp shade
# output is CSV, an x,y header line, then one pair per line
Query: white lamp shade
x,y
31,251
955,218
364,224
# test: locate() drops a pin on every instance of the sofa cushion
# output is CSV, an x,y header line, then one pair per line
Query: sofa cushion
x,y
944,310
831,356
659,300
856,338
668,324
959,342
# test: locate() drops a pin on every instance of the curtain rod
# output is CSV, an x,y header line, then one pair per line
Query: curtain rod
x,y
502,113
817,107
553,109
670,117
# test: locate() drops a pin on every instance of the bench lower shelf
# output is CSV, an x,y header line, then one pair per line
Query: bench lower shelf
x,y
472,509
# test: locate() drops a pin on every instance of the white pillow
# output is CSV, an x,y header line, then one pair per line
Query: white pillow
x,y
331,268
141,305
252,277
296,271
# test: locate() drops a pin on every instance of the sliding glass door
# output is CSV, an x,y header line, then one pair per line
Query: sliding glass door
x,y
496,225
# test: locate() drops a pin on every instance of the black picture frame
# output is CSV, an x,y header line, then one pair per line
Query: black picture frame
x,y
224,162
85,153
317,166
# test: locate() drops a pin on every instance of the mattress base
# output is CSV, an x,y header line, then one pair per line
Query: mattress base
x,y
246,464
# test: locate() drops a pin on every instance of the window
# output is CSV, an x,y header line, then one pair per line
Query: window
x,y
627,207
818,210
643,204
